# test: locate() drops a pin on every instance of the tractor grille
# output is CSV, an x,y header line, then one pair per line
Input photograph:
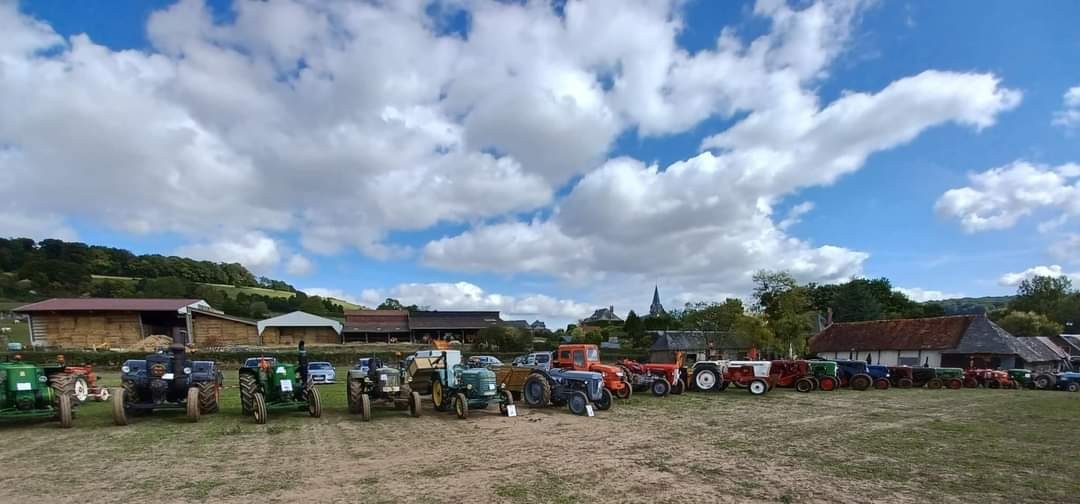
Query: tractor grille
x,y
388,377
482,381
157,370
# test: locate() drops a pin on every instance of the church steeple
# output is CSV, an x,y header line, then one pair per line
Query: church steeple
x,y
656,309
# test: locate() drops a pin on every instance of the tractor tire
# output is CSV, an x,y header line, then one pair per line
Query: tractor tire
x,y
507,400
438,397
248,388
80,389
970,382
679,387
414,404
365,407
258,408
624,393
606,400
65,413
577,403
660,387
706,380
993,384
192,403
904,383
63,384
724,386
209,394
954,384
1073,387
314,403
934,384
1045,381
804,385
354,391
882,384
119,414
827,383
860,382
536,391
758,387
461,405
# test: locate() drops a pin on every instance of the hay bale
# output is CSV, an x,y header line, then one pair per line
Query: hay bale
x,y
152,343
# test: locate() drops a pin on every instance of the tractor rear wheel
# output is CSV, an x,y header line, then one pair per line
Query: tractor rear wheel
x,y
63,384
209,393
193,404
679,387
954,384
882,384
578,402
1045,381
258,407
414,404
758,387
706,379
904,383
1073,387
536,391
660,387
65,412
248,388
860,382
119,415
365,407
804,385
827,383
437,397
970,382
606,399
80,390
354,392
934,383
461,406
314,403
994,384
507,400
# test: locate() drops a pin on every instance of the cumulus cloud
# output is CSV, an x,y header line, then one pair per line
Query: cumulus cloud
x,y
1066,249
16,224
999,197
924,295
1069,115
256,251
299,265
1054,270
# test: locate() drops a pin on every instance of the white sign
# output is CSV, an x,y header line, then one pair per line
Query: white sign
x,y
281,370
491,386
511,410
589,410
22,386
167,376
382,377
286,385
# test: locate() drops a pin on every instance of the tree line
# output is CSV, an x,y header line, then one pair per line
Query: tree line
x,y
1042,306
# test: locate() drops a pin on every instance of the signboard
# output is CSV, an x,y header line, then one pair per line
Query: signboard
x,y
589,411
511,410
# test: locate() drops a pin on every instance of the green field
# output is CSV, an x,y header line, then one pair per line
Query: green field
x,y
20,332
897,446
233,290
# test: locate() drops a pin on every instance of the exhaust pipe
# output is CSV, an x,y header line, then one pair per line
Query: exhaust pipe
x,y
179,352
303,364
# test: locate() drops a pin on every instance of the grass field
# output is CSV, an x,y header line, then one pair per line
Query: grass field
x,y
889,446
20,332
233,290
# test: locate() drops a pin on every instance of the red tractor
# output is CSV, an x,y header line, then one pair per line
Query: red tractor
x,y
86,384
793,374
587,358
658,378
989,378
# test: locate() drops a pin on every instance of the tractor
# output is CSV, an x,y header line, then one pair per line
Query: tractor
x,y
793,374
587,358
901,376
825,374
660,379
31,391
989,378
166,380
952,378
1067,380
453,385
881,375
1021,377
576,389
371,380
717,375
268,385
854,374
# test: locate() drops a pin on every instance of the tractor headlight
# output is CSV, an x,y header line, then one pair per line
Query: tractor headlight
x,y
618,373
468,387
125,369
42,378
187,370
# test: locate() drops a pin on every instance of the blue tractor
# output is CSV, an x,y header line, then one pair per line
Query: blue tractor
x,y
1067,380
576,389
854,374
167,380
453,385
880,375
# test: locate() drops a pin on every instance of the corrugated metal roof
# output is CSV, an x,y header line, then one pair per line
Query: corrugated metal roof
x,y
695,340
453,319
111,304
234,318
378,321
935,333
375,327
299,319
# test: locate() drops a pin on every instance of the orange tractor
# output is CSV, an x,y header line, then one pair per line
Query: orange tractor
x,y
587,358
660,379
989,378
86,384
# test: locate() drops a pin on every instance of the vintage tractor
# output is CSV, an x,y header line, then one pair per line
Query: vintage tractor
x,y
793,374
1068,380
952,378
31,391
371,380
718,375
454,386
166,380
854,374
660,379
576,389
268,385
825,374
587,358
902,376
881,375
1022,378
989,378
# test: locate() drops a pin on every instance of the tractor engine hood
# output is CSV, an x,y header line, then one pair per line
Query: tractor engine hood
x,y
606,369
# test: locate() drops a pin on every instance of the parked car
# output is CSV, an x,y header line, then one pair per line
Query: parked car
x,y
321,372
535,359
484,361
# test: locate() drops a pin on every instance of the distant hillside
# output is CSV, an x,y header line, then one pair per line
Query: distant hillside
x,y
973,305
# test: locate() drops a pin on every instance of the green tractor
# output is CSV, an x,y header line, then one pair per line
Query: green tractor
x,y
268,385
371,380
32,391
1022,378
454,386
950,377
825,374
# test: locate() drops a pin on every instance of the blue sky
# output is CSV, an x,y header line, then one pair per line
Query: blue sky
x,y
543,228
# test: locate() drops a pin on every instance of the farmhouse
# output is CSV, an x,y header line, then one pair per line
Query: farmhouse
x,y
291,328
696,345
964,341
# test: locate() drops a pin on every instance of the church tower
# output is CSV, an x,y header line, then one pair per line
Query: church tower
x,y
656,309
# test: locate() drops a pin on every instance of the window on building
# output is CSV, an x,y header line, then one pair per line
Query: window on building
x,y
908,361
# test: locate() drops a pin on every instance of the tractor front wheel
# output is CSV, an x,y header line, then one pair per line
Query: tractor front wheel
x,y
578,402
209,393
827,383
119,415
414,404
758,387
605,401
860,382
904,383
353,393
882,384
507,400
954,384
79,387
536,391
1073,387
679,387
314,403
970,382
258,407
804,385
65,412
934,384
1045,382
461,406
193,404
625,392
660,387
437,397
248,389
365,407
706,379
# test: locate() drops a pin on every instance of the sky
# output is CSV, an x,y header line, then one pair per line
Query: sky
x,y
546,159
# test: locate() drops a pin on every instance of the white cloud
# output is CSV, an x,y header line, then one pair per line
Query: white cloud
x,y
299,265
16,224
924,295
999,197
1066,249
1069,115
794,215
1054,270
256,251
334,293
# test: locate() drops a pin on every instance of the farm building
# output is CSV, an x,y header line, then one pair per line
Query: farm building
x,y
463,326
111,322
368,326
956,341
696,345
210,329
291,328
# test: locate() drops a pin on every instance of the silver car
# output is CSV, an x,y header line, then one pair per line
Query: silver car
x,y
321,372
